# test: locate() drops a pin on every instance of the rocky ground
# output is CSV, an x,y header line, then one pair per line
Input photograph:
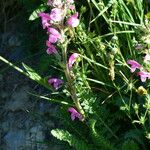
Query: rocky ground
x,y
25,122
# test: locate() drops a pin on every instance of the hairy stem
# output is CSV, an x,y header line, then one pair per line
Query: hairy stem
x,y
71,87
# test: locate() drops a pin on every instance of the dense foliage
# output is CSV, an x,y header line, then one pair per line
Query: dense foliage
x,y
101,50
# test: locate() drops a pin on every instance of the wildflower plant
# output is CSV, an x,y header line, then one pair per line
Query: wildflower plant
x,y
103,52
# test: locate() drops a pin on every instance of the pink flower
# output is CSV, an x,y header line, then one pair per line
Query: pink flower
x,y
45,19
134,65
54,35
74,114
147,57
73,21
56,14
52,38
71,7
51,48
55,82
53,31
143,75
72,59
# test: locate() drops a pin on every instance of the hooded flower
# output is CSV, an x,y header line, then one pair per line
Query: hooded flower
x,y
134,65
51,48
45,19
143,75
54,35
55,82
52,38
72,59
74,114
56,14
73,21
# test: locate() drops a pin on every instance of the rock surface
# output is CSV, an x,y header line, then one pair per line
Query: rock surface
x,y
23,123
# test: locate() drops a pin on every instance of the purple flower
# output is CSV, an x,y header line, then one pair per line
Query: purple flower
x,y
56,14
55,82
72,59
134,65
54,35
51,48
73,21
74,114
143,75
45,19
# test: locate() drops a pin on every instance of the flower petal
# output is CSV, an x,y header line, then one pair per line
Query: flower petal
x,y
73,117
56,14
55,82
143,75
73,21
72,59
74,114
134,65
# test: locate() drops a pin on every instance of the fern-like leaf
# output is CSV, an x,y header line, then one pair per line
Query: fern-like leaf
x,y
72,140
98,139
130,145
135,135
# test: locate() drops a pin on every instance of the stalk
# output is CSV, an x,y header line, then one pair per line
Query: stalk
x,y
71,86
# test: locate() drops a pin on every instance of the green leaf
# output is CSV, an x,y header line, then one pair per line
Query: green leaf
x,y
72,140
36,77
32,74
39,9
136,135
29,72
130,145
98,139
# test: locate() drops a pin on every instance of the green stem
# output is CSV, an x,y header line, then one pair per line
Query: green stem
x,y
50,99
25,73
70,81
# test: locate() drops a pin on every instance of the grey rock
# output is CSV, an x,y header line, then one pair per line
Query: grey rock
x,y
18,100
34,137
14,140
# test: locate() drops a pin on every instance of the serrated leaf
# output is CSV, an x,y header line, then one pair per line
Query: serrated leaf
x,y
39,9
